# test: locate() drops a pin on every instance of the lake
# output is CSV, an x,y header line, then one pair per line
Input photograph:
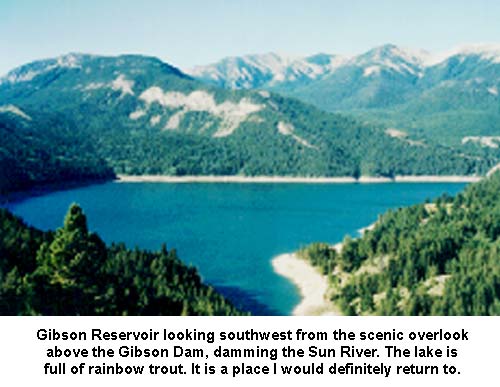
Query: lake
x,y
230,232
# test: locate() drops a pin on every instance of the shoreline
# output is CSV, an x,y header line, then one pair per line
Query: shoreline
x,y
313,286
44,189
293,179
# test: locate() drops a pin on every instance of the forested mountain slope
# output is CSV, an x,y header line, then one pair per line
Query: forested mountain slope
x,y
440,258
142,116
45,150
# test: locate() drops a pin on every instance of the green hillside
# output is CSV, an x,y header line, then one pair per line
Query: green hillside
x,y
138,115
45,152
445,103
437,258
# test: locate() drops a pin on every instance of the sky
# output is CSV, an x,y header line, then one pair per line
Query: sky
x,y
194,32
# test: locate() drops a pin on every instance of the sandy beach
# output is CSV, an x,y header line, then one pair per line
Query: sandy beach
x,y
312,285
361,232
291,179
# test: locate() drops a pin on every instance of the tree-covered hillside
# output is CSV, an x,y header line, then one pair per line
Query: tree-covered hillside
x,y
138,115
72,272
439,258
45,152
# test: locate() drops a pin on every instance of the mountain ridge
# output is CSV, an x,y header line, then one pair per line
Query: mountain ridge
x,y
140,116
445,97
270,60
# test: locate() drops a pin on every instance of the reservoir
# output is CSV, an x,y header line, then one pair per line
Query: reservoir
x,y
231,231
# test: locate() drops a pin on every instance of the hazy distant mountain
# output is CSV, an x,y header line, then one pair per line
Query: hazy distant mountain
x,y
379,78
267,70
359,81
446,96
281,72
142,116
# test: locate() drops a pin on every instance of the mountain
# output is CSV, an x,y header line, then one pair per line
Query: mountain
x,y
139,115
273,70
356,82
445,97
377,79
438,258
267,70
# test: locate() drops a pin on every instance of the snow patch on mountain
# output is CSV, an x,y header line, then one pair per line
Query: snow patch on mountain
x,y
123,85
493,90
403,136
487,141
120,83
284,128
94,86
22,77
70,61
287,129
392,58
155,120
391,132
175,120
137,114
231,113
371,70
487,52
28,73
14,110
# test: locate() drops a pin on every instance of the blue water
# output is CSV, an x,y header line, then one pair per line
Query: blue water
x,y
231,231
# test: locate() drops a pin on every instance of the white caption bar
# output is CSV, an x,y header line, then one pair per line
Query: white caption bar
x,y
160,351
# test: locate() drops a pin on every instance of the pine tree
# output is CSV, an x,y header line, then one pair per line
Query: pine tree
x,y
69,267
